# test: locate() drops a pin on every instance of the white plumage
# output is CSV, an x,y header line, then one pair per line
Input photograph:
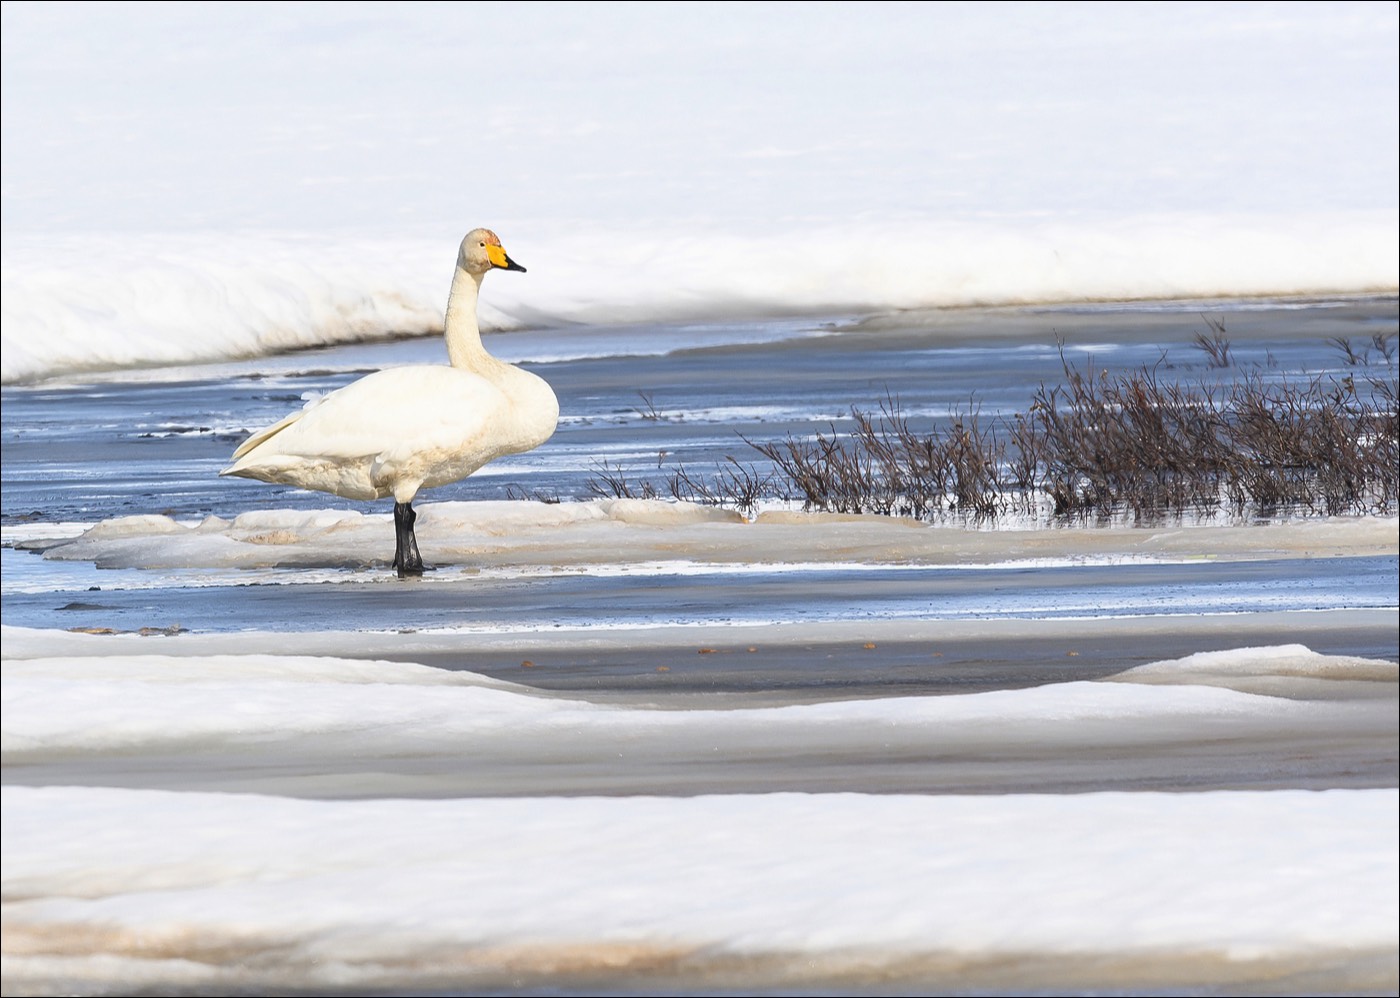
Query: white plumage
x,y
397,431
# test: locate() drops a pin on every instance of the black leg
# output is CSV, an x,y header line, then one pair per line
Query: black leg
x,y
406,557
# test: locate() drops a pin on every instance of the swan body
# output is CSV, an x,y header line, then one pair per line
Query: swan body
x,y
406,428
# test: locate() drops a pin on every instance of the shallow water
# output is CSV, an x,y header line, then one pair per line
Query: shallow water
x,y
696,595
713,676
153,442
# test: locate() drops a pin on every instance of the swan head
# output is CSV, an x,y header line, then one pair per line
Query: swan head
x,y
481,251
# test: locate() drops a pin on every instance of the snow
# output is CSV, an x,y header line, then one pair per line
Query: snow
x,y
148,885
1280,660
226,184
352,892
59,707
144,300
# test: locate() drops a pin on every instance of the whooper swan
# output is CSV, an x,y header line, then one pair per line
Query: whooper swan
x,y
402,429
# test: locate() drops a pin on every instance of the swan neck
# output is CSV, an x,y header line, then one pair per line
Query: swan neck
x,y
463,335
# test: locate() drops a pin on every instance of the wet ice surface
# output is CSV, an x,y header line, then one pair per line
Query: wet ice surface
x,y
631,747
574,596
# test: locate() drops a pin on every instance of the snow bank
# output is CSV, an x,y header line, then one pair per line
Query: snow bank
x,y
142,301
1281,660
136,887
57,707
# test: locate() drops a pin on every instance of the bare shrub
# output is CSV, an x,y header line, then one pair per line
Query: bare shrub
x,y
1349,353
884,465
1380,345
829,473
1385,346
1095,445
1215,344
612,482
1381,441
517,493
733,484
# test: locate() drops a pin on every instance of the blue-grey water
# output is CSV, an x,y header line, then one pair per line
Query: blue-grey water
x,y
639,402
119,444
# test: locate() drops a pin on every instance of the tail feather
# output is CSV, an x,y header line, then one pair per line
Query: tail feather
x,y
266,433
